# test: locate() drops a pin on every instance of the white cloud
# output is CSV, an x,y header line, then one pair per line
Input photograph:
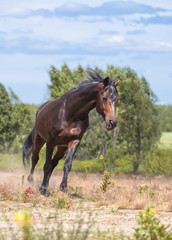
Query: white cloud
x,y
116,39
165,44
15,12
93,33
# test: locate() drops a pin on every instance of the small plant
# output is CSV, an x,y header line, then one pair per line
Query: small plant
x,y
27,194
24,221
150,227
61,203
143,188
106,176
23,177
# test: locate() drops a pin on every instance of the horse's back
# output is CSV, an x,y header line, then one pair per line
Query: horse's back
x,y
44,117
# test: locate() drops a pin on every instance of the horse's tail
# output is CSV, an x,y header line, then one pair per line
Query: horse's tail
x,y
27,149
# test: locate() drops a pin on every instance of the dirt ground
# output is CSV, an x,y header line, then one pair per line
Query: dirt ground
x,y
116,210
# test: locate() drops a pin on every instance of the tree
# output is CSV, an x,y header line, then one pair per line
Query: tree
x,y
22,124
15,121
138,116
6,130
63,80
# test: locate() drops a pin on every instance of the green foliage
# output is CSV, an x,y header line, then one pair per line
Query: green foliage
x,y
25,221
158,162
150,227
138,116
91,166
7,133
16,120
61,203
105,182
106,176
63,80
21,119
165,113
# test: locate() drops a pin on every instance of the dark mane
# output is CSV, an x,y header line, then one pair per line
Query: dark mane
x,y
94,77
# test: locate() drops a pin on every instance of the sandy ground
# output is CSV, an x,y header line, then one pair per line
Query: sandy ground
x,y
97,214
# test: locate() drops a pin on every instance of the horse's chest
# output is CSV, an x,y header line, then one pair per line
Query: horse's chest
x,y
70,132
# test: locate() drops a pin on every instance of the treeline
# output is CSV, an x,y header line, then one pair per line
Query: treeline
x,y
16,120
129,148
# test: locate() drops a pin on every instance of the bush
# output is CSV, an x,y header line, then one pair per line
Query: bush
x,y
150,227
159,162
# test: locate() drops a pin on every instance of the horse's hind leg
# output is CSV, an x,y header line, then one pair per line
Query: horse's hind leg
x,y
38,143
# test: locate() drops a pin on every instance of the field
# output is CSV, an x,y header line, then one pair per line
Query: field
x,y
166,140
84,210
93,207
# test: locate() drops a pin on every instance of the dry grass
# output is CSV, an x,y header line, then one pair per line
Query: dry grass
x,y
124,192
84,202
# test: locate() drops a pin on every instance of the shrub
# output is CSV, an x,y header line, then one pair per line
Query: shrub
x,y
150,227
159,162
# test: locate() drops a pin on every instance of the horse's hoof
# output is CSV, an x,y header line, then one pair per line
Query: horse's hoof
x,y
30,180
44,192
63,187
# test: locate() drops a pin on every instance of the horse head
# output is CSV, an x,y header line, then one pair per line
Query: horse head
x,y
107,102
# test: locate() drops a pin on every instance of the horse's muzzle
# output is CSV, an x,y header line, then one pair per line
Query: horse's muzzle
x,y
111,124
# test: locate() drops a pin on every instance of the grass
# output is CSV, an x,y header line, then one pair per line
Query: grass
x,y
14,161
166,140
84,211
125,191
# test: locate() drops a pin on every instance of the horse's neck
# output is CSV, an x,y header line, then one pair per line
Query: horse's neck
x,y
83,102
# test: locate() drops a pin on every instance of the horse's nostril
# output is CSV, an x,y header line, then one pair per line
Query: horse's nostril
x,y
111,122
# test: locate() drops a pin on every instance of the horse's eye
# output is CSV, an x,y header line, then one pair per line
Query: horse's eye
x,y
104,99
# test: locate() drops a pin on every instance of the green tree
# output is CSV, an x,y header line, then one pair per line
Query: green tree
x,y
63,80
138,116
22,125
6,129
15,121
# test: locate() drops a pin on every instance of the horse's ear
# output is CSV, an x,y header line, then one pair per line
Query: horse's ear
x,y
116,82
106,81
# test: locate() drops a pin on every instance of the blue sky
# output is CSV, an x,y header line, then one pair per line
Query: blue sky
x,y
37,34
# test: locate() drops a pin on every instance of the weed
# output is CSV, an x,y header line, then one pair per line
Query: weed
x,y
48,231
27,194
24,221
61,203
151,227
23,177
143,188
106,176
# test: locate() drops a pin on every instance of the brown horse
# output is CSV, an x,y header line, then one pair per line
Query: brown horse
x,y
62,123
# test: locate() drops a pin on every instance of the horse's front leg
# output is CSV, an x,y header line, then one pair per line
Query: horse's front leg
x,y
72,147
47,168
